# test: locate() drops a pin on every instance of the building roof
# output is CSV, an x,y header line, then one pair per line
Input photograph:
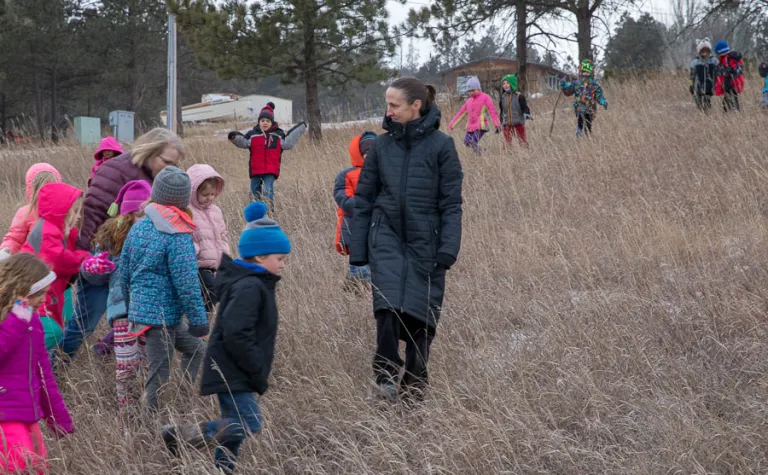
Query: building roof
x,y
503,59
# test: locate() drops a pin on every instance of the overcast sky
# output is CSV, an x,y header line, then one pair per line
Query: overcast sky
x,y
660,9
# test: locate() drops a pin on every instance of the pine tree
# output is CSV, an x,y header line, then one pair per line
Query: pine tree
x,y
317,42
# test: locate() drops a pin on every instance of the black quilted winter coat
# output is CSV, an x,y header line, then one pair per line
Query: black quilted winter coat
x,y
407,222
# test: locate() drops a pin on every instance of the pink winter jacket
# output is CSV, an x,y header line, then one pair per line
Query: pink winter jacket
x,y
24,220
28,390
107,143
211,238
475,109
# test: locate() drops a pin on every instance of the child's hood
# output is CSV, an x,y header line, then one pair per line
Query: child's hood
x,y
169,219
54,202
108,143
355,157
230,271
197,175
35,170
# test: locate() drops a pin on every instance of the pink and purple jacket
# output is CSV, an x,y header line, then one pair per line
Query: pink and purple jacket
x,y
24,220
211,239
477,108
107,143
28,390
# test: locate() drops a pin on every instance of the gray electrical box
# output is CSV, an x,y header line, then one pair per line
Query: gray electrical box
x,y
87,130
122,125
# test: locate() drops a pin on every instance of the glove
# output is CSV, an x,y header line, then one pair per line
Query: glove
x,y
498,130
233,134
198,331
98,264
444,260
527,117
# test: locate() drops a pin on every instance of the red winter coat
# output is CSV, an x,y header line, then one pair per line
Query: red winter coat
x,y
102,191
730,67
28,390
48,242
267,149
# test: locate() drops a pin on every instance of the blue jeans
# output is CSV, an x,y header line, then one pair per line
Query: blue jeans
x,y
240,416
263,189
90,306
359,273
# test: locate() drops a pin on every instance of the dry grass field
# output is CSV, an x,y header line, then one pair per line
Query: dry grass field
x,y
607,313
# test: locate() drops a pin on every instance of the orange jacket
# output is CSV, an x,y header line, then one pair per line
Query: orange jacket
x,y
344,195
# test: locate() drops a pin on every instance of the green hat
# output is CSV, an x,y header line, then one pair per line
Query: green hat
x,y
512,80
586,67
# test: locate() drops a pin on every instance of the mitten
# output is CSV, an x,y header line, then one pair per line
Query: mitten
x,y
233,134
98,264
22,310
198,331
498,130
444,260
527,117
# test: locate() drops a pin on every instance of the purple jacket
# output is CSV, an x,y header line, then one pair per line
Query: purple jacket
x,y
28,390
104,187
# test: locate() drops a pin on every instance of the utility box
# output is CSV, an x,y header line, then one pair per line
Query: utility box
x,y
87,130
122,125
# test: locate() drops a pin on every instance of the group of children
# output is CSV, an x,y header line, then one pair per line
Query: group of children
x,y
164,254
719,75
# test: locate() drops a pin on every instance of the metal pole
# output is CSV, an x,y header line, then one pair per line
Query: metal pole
x,y
171,97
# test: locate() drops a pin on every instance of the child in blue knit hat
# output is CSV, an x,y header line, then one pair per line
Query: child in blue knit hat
x,y
242,346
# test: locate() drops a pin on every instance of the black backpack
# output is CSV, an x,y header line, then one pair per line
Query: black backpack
x,y
763,69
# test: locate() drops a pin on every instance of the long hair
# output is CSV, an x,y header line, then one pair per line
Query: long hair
x,y
17,275
413,89
153,143
111,235
40,180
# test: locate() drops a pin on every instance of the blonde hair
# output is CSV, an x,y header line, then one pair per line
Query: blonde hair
x,y
17,276
153,143
111,235
40,180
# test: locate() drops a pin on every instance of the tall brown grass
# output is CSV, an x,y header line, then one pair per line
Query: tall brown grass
x,y
606,314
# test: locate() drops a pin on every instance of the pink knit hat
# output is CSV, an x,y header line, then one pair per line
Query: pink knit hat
x,y
130,198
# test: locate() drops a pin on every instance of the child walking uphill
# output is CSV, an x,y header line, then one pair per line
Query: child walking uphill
x,y
476,108
211,239
28,390
730,76
514,110
158,271
266,150
703,69
53,239
38,175
588,95
104,268
242,346
344,194
108,148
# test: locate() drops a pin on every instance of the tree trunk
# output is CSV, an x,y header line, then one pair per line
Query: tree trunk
x,y
584,29
39,106
54,107
3,118
310,78
521,13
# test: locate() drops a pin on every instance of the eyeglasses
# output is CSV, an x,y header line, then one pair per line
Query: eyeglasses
x,y
166,161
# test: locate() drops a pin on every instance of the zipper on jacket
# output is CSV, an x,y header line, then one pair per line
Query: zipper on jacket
x,y
375,231
403,223
31,374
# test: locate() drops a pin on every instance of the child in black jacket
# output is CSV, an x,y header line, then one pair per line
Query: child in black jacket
x,y
242,346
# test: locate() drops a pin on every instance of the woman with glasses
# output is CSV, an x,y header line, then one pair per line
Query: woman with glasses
x,y
151,153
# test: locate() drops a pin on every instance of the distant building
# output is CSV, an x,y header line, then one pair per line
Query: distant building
x,y
541,77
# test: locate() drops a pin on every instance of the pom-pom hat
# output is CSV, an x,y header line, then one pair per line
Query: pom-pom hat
x,y
262,235
268,112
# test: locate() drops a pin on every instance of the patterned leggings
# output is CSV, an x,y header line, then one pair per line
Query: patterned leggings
x,y
129,353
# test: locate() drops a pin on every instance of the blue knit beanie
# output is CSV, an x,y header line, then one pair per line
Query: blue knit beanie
x,y
262,236
721,47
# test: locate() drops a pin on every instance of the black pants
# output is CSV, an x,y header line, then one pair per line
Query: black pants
x,y
391,328
731,101
584,123
206,284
